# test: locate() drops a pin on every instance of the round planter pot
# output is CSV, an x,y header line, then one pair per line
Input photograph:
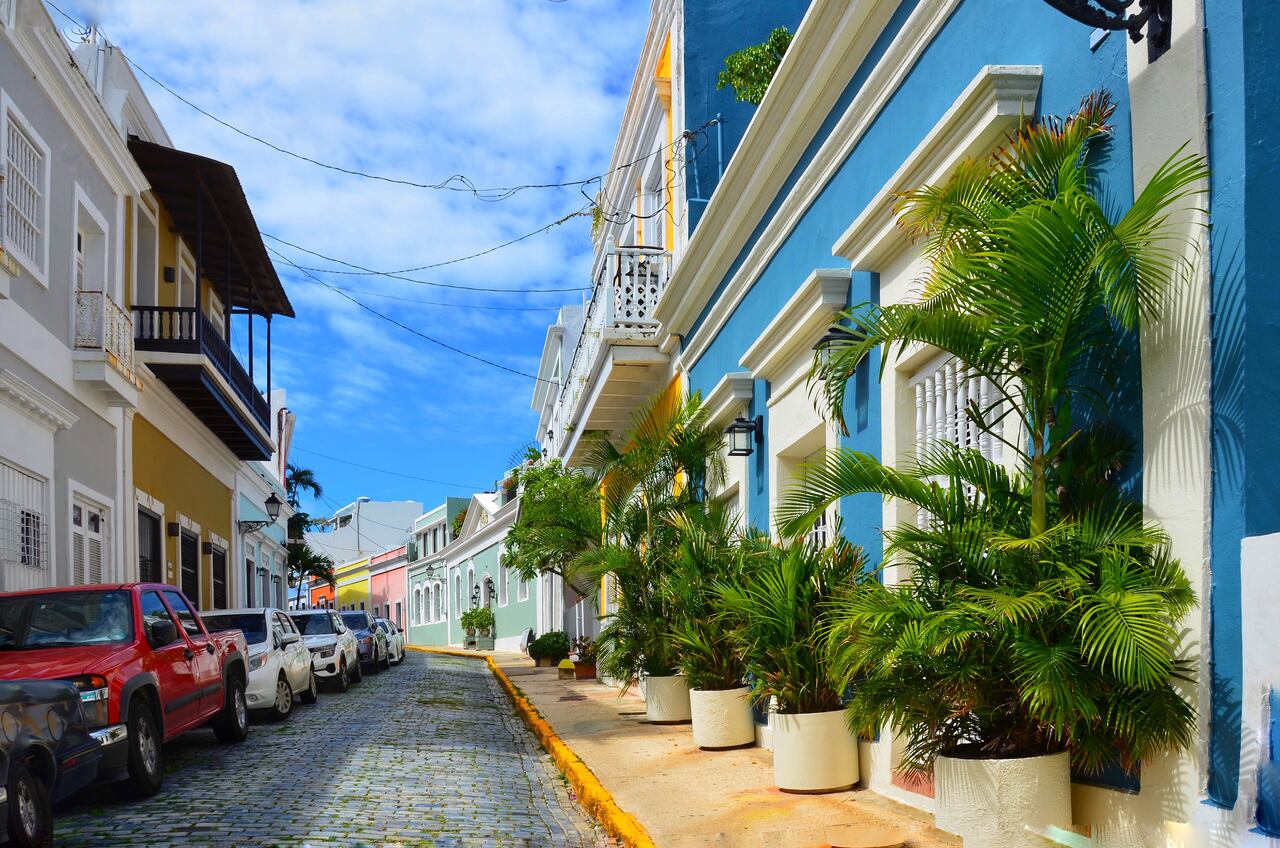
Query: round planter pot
x,y
722,718
666,700
998,803
814,752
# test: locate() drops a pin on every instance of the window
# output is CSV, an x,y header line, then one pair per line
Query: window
x,y
185,613
24,543
250,572
522,590
150,554
190,550
415,612
88,526
946,392
502,584
399,616
440,601
219,568
26,209
276,600
153,610
457,593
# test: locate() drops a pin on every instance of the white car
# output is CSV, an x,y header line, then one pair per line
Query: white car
x,y
395,640
335,654
279,663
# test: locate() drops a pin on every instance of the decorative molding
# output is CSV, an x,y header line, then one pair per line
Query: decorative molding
x,y
994,103
833,40
145,500
35,404
188,524
219,541
811,308
729,397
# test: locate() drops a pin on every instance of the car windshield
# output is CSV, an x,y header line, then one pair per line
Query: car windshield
x,y
315,624
355,620
252,624
382,625
65,619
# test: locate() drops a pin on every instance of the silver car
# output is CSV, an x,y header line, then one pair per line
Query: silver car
x,y
395,640
335,654
280,665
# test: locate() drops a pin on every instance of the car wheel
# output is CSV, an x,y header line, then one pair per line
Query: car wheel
x,y
232,724
146,750
284,700
342,680
30,813
312,693
357,670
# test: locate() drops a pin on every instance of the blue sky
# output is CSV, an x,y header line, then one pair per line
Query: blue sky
x,y
507,92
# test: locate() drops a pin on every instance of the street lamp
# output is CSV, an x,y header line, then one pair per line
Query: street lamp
x,y
272,506
835,335
744,435
1153,16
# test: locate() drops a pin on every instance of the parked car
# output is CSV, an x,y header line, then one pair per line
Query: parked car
x,y
279,663
395,640
372,641
46,753
147,668
335,655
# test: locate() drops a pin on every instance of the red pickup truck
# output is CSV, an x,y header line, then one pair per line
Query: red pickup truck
x,y
147,668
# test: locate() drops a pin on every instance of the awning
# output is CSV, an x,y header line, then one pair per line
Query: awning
x,y
195,191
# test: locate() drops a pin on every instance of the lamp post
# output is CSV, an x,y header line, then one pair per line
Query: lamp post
x,y
272,506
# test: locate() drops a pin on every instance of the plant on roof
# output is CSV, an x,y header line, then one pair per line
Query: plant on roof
x,y
750,70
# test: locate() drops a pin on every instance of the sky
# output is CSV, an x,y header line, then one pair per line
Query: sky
x,y
505,92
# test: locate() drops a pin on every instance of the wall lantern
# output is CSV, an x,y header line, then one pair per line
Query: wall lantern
x,y
490,590
475,597
272,506
1152,19
744,435
835,335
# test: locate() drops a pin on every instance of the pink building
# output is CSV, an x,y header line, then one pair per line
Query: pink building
x,y
388,586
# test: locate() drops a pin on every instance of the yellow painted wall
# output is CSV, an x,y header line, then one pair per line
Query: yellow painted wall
x,y
353,585
663,82
165,472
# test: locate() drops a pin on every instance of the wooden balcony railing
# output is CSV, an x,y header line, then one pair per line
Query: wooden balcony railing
x,y
184,329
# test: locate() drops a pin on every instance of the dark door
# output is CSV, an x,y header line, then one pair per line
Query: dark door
x,y
150,559
190,565
219,562
250,572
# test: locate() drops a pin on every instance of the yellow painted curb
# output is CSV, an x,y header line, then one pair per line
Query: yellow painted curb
x,y
590,791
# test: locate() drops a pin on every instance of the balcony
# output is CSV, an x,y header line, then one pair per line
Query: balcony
x,y
616,363
103,355
183,348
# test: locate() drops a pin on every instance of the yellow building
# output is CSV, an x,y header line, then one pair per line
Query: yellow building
x,y
353,590
197,262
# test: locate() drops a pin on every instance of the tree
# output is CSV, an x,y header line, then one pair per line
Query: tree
x,y
1030,284
296,482
751,69
559,520
306,564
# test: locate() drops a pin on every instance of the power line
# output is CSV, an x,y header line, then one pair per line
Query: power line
x,y
434,302
388,471
409,329
457,182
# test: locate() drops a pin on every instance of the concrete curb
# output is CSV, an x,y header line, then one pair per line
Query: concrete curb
x,y
594,798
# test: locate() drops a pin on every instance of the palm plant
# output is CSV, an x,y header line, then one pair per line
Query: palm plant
x,y
1030,283
780,609
1012,643
305,563
711,551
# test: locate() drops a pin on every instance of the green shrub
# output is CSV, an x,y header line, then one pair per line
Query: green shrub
x,y
478,619
751,69
552,645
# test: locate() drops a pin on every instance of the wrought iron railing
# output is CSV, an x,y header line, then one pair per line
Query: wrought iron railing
x,y
621,307
102,325
184,329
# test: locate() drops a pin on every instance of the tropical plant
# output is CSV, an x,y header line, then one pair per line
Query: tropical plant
x,y
458,521
480,618
306,564
296,482
584,648
750,70
1030,285
781,609
711,551
559,521
552,645
1008,643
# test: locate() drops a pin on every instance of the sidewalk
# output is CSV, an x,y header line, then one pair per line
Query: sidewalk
x,y
688,798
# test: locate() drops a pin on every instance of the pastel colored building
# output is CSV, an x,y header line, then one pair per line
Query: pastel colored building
x,y
427,591
388,584
762,245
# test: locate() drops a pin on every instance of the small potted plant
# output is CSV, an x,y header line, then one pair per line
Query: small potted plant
x,y
584,658
549,648
479,621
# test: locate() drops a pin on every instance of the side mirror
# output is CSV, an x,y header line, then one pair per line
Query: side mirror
x,y
163,632
290,639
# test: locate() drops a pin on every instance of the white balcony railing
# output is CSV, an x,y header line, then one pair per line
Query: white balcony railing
x,y
622,300
103,325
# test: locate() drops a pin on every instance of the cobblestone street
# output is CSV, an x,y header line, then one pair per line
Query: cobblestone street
x,y
427,754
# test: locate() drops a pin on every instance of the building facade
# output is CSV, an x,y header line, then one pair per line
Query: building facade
x,y
874,98
388,584
427,590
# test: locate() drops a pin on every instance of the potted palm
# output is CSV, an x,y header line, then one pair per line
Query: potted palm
x,y
719,699
584,658
479,621
1037,627
781,612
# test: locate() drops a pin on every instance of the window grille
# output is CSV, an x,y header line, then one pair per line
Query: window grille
x,y
23,196
24,530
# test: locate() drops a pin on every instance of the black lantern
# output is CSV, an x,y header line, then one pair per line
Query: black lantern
x,y
489,590
272,505
1152,19
835,335
744,435
475,597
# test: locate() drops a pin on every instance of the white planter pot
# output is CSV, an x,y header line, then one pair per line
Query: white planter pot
x,y
722,718
999,803
666,700
813,752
